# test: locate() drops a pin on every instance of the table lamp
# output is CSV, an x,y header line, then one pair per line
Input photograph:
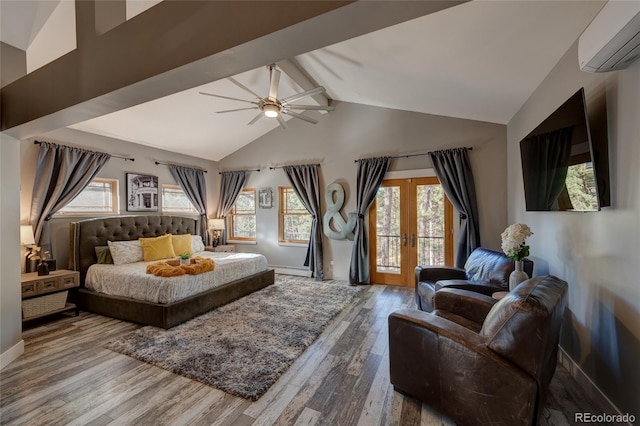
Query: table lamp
x,y
27,240
216,225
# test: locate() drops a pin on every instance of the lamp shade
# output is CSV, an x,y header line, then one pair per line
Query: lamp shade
x,y
216,224
26,235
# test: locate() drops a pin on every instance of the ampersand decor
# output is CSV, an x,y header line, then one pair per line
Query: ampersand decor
x,y
344,230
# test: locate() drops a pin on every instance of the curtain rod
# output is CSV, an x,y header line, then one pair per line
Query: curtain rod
x,y
112,155
179,165
414,155
294,165
227,171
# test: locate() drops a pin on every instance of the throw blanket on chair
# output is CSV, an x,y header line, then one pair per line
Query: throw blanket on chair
x,y
173,268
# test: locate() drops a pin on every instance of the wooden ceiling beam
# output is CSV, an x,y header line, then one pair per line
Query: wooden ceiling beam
x,y
178,45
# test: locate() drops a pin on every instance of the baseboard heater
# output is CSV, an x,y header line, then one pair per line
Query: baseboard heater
x,y
291,270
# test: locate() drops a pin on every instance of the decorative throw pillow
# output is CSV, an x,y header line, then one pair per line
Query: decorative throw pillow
x,y
182,244
196,244
157,248
124,252
103,254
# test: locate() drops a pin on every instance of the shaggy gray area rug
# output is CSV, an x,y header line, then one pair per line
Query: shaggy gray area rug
x,y
243,347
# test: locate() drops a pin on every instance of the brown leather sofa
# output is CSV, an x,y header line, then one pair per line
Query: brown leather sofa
x,y
478,360
485,271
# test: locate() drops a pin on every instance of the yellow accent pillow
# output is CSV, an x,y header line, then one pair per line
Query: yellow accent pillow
x,y
181,244
157,248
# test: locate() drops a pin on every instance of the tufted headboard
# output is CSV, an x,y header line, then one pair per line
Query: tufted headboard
x,y
87,234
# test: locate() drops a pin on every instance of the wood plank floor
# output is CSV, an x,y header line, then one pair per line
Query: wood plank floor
x,y
66,377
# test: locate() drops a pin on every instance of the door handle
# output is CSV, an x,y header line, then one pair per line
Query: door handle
x,y
413,240
404,240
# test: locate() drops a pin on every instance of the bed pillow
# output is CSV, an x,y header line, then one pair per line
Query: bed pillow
x,y
103,254
182,244
124,252
157,248
196,244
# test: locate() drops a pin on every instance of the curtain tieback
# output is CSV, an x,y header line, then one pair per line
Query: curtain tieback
x,y
463,216
360,216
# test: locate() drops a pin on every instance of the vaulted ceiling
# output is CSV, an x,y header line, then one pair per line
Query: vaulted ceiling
x,y
478,60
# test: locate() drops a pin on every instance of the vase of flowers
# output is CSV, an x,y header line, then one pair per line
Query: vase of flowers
x,y
514,247
41,257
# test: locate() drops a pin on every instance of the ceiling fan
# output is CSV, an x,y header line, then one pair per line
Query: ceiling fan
x,y
273,107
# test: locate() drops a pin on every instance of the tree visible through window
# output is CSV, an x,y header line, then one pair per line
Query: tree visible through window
x,y
295,219
174,200
431,224
100,196
243,216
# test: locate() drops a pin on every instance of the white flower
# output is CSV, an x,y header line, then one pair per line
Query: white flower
x,y
513,239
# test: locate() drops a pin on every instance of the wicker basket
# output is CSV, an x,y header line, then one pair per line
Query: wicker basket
x,y
43,304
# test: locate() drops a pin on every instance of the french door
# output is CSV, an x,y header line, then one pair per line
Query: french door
x,y
410,224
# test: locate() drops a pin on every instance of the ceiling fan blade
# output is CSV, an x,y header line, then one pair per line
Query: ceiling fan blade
x,y
310,107
256,118
302,95
243,87
283,123
227,97
300,116
275,80
234,110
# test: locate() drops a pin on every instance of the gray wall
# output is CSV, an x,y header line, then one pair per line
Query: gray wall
x,y
10,307
597,253
145,158
356,131
13,64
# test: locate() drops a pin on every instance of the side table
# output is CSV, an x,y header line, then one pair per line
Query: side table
x,y
44,295
222,248
499,294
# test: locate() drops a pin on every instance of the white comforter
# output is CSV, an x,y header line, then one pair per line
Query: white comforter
x,y
131,280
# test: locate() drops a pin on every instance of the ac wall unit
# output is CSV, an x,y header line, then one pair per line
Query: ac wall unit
x,y
612,40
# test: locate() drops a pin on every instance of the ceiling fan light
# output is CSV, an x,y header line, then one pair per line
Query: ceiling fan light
x,y
271,111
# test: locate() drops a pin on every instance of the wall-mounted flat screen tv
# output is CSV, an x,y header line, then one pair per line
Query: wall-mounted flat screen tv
x,y
563,169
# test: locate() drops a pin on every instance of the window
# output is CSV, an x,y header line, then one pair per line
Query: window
x,y
243,217
174,200
100,196
295,219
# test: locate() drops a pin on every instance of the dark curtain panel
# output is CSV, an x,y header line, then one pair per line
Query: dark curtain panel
x,y
544,167
304,180
192,183
62,173
230,186
453,170
371,173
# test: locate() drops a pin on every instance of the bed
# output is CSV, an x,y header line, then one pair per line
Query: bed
x,y
164,312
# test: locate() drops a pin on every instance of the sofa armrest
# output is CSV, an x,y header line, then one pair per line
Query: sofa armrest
x,y
435,324
467,304
437,273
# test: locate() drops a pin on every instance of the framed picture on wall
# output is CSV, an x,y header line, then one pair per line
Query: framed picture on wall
x,y
265,198
142,193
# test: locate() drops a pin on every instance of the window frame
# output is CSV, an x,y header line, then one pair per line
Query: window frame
x,y
282,191
194,212
230,217
115,201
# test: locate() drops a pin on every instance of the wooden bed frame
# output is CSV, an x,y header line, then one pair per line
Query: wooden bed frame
x,y
87,234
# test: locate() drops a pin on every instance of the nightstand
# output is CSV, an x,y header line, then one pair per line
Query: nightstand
x,y
44,295
221,248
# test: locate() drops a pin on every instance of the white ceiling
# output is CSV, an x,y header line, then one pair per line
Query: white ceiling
x,y
479,60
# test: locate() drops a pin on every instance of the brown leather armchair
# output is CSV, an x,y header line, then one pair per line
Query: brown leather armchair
x,y
485,271
478,360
